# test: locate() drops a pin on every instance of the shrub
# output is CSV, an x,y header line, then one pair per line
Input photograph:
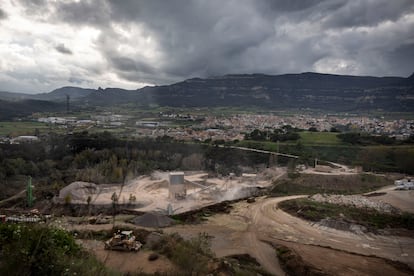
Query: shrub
x,y
40,250
191,256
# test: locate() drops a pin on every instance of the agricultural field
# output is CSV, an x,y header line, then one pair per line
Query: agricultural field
x,y
319,138
21,128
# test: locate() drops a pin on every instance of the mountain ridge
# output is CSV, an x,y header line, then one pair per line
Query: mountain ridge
x,y
304,90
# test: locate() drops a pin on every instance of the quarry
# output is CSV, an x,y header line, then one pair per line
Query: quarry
x,y
169,192
241,218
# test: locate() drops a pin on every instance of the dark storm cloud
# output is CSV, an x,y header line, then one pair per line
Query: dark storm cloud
x,y
61,48
368,13
83,12
199,38
35,8
32,5
3,14
78,81
281,6
401,59
215,37
131,65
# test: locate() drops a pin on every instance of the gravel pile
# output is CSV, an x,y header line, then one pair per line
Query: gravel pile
x,y
78,191
153,220
355,201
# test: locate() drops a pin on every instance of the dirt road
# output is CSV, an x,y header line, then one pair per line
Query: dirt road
x,y
233,238
272,224
401,199
250,227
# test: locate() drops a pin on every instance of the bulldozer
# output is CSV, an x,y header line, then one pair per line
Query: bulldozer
x,y
124,241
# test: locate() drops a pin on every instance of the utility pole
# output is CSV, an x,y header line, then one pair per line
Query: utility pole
x,y
29,190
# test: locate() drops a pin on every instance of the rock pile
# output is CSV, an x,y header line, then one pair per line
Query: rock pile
x,y
341,224
355,201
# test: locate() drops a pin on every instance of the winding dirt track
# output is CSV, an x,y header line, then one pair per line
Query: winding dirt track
x,y
272,224
249,228
18,195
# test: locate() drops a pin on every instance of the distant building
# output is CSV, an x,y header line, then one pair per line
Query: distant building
x,y
57,120
147,124
84,122
404,184
24,139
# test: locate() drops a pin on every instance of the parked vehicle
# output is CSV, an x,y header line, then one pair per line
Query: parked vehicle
x,y
124,241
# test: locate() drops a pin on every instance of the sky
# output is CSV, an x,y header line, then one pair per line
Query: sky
x,y
47,44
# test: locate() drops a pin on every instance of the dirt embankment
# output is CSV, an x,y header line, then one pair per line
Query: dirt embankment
x,y
300,259
329,184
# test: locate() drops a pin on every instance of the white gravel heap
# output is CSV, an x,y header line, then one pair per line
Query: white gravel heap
x,y
355,201
78,191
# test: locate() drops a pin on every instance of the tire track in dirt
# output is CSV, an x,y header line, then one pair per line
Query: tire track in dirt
x,y
274,224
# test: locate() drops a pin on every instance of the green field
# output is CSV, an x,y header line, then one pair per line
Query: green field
x,y
319,138
21,128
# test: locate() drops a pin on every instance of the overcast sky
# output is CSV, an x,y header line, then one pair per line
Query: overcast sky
x,y
46,44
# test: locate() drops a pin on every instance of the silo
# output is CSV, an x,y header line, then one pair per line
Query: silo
x,y
177,187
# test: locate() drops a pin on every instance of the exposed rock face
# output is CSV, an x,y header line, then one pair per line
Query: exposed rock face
x,y
306,90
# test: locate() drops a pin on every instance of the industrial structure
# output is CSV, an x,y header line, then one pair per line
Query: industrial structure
x,y
404,184
176,187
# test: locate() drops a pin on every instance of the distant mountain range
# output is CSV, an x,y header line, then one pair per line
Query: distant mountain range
x,y
57,95
337,93
9,110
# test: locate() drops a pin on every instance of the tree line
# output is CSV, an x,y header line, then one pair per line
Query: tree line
x,y
286,133
58,160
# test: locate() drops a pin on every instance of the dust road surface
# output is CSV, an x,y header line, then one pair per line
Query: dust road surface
x,y
273,224
250,228
403,200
